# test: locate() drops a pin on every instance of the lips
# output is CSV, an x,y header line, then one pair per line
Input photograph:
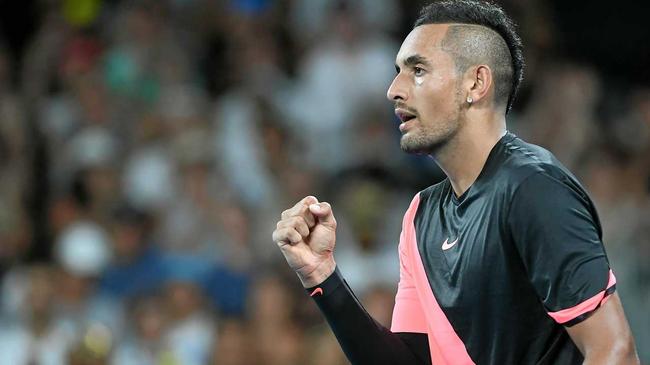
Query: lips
x,y
404,115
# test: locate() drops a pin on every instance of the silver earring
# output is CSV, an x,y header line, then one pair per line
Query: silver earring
x,y
470,100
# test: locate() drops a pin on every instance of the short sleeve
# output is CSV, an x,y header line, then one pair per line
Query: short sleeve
x,y
556,231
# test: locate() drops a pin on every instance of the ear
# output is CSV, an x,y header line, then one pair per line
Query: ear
x,y
479,82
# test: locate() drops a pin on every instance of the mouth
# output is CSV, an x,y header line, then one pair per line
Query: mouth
x,y
404,116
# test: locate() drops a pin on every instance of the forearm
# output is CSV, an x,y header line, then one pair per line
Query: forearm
x,y
363,340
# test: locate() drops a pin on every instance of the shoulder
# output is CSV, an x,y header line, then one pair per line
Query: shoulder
x,y
434,191
535,183
525,165
423,198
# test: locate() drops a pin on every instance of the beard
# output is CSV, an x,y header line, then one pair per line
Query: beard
x,y
420,144
427,141
429,138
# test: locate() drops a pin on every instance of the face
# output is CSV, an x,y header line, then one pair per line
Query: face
x,y
426,91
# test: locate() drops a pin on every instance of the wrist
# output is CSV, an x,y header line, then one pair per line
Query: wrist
x,y
318,275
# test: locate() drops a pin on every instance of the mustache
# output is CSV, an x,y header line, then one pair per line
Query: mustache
x,y
400,105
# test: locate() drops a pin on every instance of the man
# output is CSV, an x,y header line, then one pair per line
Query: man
x,y
502,262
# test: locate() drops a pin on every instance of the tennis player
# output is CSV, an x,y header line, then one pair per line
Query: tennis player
x,y
502,262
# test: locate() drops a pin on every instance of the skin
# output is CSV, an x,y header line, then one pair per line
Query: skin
x,y
458,135
605,337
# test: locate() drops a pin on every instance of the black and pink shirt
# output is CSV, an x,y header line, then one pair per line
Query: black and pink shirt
x,y
490,277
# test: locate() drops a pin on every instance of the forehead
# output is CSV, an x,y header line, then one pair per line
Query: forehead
x,y
424,40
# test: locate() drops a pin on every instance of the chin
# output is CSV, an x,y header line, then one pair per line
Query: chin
x,y
419,146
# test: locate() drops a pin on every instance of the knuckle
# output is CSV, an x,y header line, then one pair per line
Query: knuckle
x,y
288,222
304,224
301,212
295,237
282,224
304,231
281,233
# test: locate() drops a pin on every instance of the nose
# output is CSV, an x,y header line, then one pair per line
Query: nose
x,y
396,90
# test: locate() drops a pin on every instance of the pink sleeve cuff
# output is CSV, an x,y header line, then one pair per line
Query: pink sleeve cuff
x,y
565,316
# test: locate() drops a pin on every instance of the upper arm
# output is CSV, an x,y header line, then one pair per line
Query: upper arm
x,y
556,231
605,337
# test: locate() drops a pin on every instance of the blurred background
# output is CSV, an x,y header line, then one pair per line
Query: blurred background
x,y
147,149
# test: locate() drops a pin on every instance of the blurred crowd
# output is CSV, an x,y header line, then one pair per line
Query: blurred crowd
x,y
147,149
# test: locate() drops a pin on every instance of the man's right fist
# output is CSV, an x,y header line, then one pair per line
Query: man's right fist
x,y
306,235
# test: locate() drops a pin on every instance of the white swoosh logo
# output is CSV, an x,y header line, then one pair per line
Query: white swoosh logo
x,y
446,245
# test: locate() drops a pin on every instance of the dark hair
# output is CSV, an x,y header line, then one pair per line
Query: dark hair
x,y
470,43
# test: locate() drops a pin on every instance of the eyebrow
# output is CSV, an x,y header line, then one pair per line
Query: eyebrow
x,y
413,60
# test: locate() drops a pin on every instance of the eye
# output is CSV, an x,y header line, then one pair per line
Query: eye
x,y
418,71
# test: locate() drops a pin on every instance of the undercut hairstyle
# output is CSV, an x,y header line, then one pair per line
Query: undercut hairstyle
x,y
480,33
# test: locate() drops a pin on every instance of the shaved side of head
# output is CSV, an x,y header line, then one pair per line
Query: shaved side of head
x,y
480,32
472,45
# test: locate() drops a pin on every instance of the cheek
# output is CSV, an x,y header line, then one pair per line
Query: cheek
x,y
434,85
436,105
436,92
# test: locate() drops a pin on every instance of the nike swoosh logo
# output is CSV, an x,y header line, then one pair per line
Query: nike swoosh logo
x,y
317,291
446,245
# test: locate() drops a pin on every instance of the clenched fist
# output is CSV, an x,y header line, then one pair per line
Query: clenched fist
x,y
306,234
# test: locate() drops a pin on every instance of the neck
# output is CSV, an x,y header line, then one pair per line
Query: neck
x,y
462,158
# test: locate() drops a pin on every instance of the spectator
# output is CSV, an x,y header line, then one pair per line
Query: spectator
x,y
35,335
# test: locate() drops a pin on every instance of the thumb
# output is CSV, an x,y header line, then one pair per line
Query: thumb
x,y
323,211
